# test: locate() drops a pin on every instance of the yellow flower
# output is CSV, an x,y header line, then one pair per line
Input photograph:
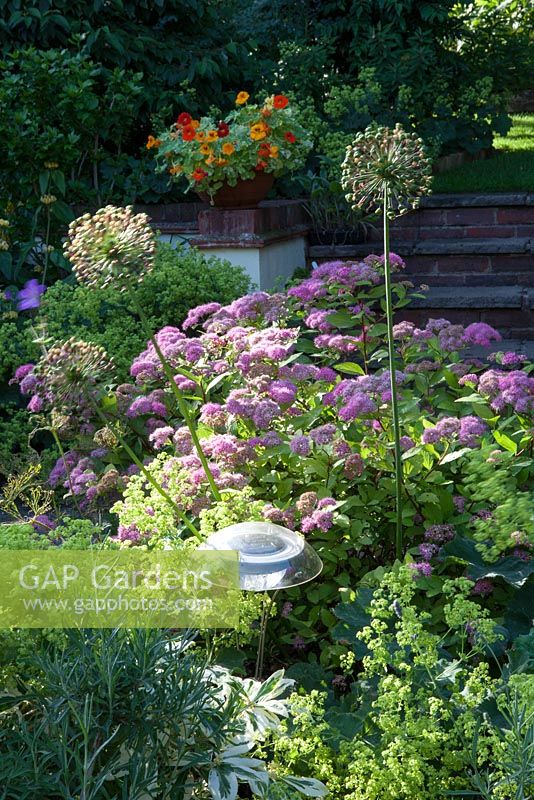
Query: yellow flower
x,y
212,136
205,149
258,131
242,98
273,152
228,148
221,162
200,136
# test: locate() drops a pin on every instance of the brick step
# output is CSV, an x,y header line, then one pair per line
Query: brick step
x,y
469,200
510,309
465,217
445,232
452,297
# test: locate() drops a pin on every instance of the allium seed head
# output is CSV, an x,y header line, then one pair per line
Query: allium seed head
x,y
114,246
386,157
69,370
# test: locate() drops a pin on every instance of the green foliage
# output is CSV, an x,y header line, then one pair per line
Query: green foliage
x,y
59,138
417,63
136,714
176,45
181,279
425,714
511,523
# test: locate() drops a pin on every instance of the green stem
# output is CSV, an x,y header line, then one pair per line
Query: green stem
x,y
59,446
394,400
182,404
150,478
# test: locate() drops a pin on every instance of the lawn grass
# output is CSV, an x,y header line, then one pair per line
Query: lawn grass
x,y
510,170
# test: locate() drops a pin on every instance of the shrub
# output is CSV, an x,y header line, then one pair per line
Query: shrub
x,y
292,404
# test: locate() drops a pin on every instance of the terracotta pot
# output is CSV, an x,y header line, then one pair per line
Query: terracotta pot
x,y
245,194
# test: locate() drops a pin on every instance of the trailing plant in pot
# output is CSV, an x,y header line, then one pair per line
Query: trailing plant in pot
x,y
387,170
233,162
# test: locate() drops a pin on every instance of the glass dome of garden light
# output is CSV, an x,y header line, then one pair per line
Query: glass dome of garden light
x,y
271,558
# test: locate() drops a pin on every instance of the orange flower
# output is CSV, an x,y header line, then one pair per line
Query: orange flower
x,y
210,160
188,133
228,148
273,151
242,98
280,101
221,162
258,131
205,149
200,136
199,174
151,142
195,123
212,136
176,170
266,112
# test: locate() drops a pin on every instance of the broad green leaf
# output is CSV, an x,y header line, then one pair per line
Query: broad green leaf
x,y
505,441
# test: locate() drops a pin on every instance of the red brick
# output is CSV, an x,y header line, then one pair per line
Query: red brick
x,y
512,263
503,279
467,264
421,217
456,279
417,264
524,333
525,230
508,317
492,232
470,216
404,235
515,215
441,233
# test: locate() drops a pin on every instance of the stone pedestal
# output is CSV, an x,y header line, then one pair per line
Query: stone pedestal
x,y
268,241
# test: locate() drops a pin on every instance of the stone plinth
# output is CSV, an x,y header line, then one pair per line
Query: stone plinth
x,y
268,241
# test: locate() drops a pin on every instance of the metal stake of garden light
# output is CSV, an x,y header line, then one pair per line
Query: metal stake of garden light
x,y
271,558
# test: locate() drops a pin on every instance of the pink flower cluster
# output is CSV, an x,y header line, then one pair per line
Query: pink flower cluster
x,y
361,396
336,278
514,388
467,430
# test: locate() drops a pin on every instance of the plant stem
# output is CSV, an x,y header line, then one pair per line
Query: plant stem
x,y
59,446
166,496
182,404
394,401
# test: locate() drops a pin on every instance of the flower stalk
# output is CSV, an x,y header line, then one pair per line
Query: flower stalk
x,y
392,372
181,401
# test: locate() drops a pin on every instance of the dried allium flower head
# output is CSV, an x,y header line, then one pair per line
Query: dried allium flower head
x,y
105,437
70,370
114,246
386,157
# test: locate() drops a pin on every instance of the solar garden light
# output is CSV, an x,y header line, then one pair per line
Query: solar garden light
x,y
271,558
